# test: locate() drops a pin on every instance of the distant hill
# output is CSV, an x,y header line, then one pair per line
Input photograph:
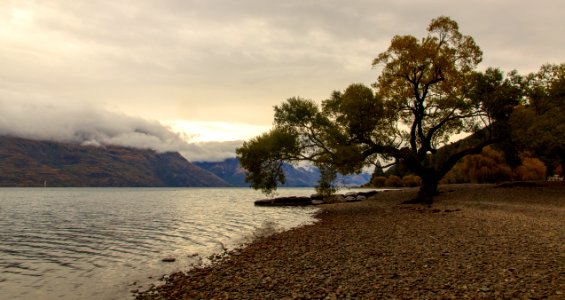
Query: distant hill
x,y
28,163
231,171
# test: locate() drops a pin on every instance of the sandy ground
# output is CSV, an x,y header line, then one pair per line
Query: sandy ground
x,y
475,242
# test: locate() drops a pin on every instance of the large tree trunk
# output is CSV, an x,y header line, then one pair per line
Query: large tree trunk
x,y
427,191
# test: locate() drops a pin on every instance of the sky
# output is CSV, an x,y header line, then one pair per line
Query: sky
x,y
201,76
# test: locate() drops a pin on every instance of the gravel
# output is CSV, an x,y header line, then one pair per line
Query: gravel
x,y
475,242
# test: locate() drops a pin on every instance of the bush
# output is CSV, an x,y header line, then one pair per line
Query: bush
x,y
378,181
487,167
393,181
411,180
491,167
454,176
531,169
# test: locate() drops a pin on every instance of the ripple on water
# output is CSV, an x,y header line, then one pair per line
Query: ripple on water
x,y
92,243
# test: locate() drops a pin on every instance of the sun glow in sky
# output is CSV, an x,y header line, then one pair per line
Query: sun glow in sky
x,y
199,132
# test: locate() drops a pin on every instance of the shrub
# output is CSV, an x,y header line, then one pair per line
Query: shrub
x,y
487,167
454,176
531,169
393,181
378,181
411,180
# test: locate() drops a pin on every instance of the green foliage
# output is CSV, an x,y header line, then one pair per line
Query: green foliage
x,y
326,186
298,113
357,110
497,96
539,125
263,157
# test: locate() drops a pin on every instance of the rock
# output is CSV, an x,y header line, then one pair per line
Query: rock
x,y
316,197
285,201
339,198
168,259
368,193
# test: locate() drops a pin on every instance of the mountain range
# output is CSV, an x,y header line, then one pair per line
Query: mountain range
x,y
231,171
29,163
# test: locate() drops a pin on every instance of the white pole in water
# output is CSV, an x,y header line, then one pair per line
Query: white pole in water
x,y
45,183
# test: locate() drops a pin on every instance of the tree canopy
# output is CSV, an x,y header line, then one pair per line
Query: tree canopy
x,y
539,124
428,90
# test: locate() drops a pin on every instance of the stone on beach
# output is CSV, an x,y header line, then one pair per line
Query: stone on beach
x,y
315,199
481,242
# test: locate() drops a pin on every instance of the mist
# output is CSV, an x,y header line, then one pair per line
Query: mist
x,y
94,126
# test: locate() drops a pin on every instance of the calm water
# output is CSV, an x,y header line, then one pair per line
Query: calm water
x,y
94,243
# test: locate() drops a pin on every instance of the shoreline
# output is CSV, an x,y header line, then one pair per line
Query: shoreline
x,y
476,241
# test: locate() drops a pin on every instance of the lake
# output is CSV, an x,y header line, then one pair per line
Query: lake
x,y
101,243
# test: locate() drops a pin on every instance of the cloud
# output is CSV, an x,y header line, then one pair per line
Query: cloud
x,y
232,61
211,151
88,125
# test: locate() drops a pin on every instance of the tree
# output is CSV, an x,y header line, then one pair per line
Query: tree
x,y
427,92
263,157
539,124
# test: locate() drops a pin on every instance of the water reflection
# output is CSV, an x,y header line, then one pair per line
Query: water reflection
x,y
91,243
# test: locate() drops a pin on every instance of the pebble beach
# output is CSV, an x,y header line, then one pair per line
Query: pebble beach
x,y
474,242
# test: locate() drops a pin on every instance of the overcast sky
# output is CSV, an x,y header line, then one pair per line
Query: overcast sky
x,y
215,68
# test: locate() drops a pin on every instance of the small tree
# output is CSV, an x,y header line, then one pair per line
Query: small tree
x,y
326,186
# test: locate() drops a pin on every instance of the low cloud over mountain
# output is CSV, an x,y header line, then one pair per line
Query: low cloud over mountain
x,y
95,126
